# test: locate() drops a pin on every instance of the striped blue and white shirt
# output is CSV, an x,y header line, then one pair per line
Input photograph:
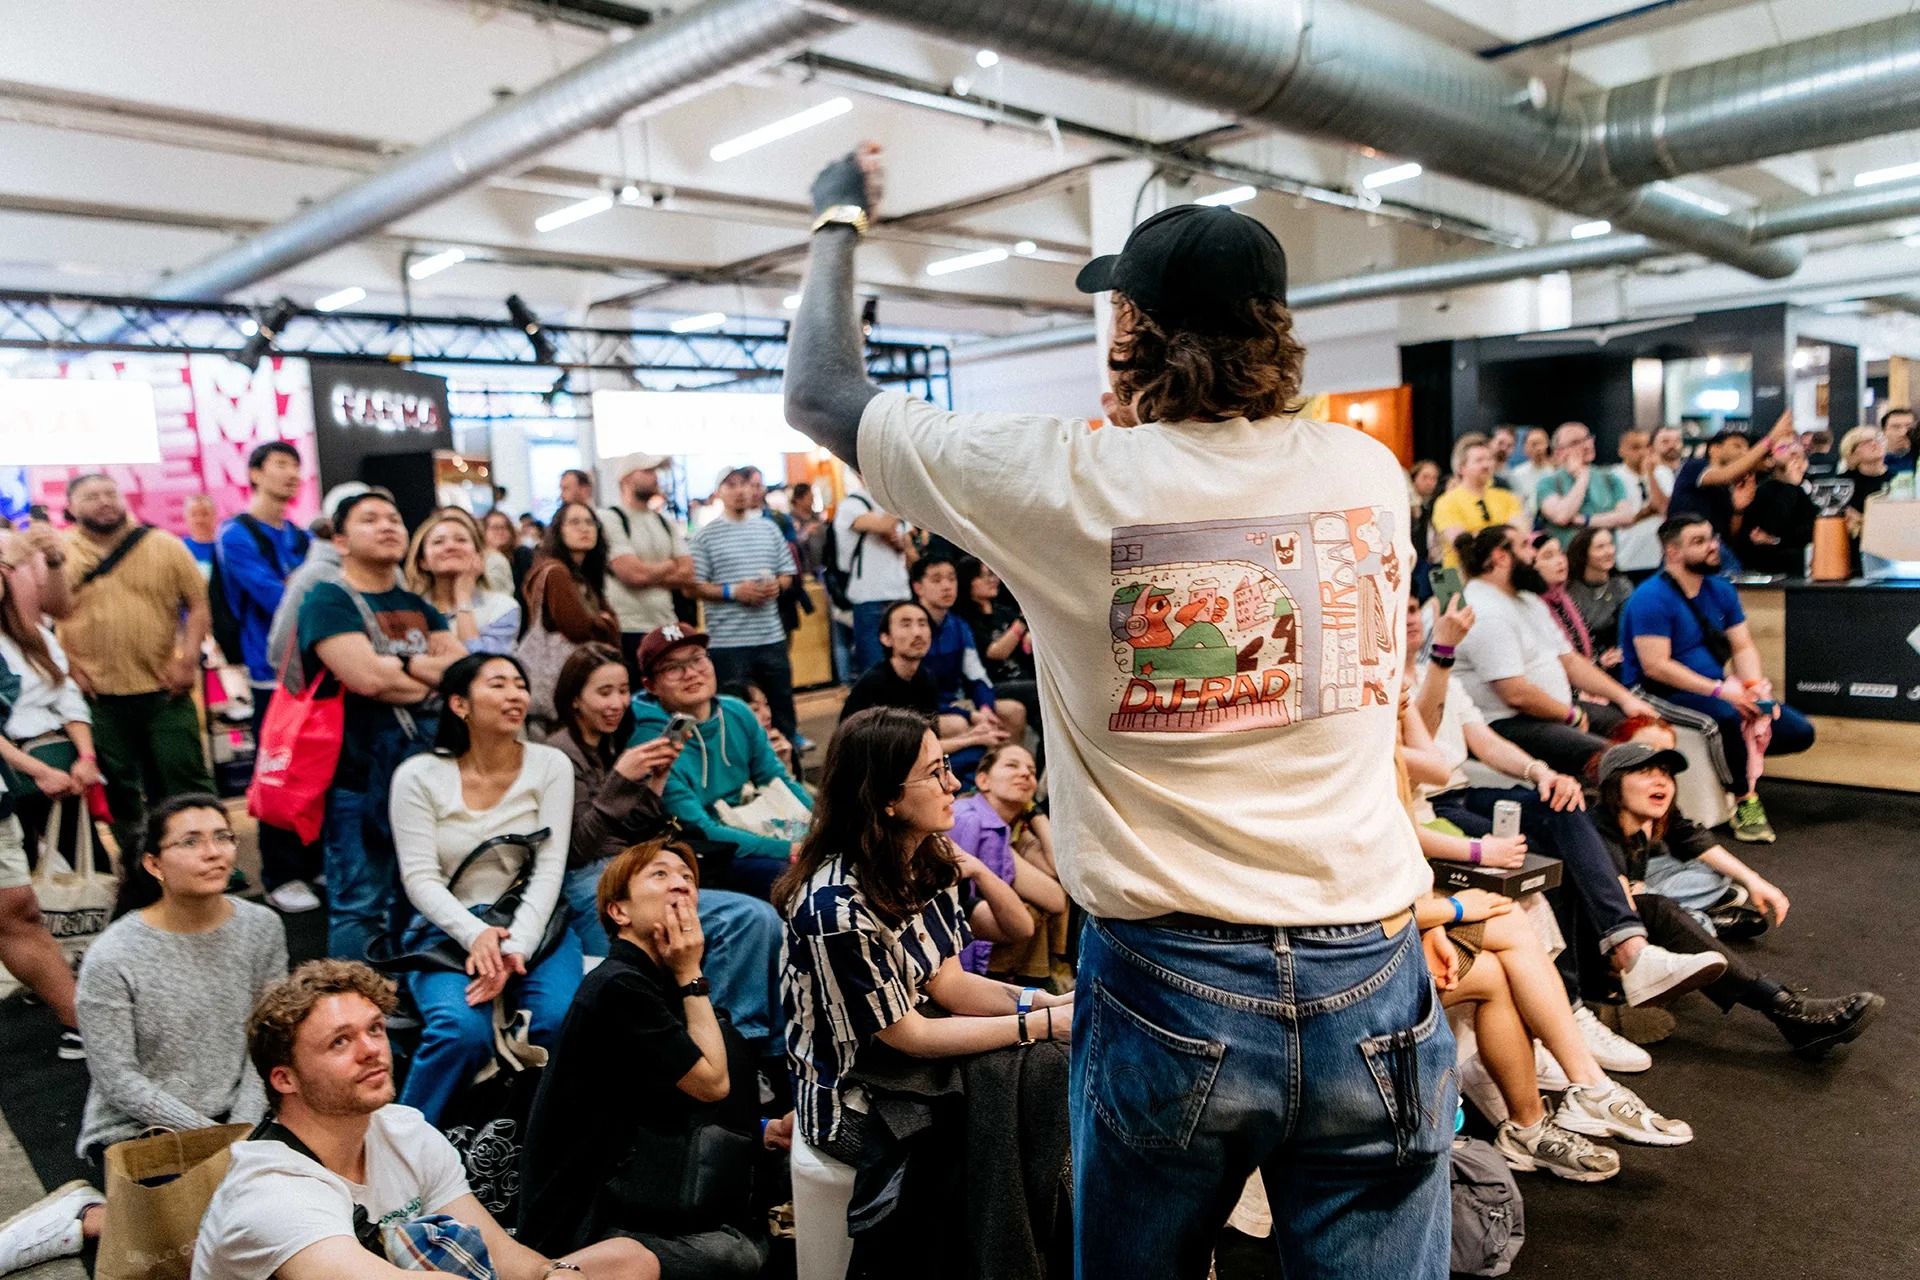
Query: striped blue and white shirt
x,y
735,551
846,977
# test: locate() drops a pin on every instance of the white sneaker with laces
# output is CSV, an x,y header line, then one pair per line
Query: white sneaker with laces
x,y
1613,1051
1547,1071
1551,1149
1658,975
1614,1111
293,898
47,1229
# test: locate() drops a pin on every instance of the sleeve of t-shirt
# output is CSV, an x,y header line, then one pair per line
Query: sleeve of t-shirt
x,y
326,612
852,973
1646,614
435,1164
245,571
271,1215
702,558
1551,485
648,1035
1447,513
1687,839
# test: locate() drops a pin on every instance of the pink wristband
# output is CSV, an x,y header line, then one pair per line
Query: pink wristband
x,y
1473,852
1718,685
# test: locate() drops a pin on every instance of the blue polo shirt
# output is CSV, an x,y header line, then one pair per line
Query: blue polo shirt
x,y
1657,608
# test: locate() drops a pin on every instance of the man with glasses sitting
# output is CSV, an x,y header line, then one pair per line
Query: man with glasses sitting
x,y
1577,495
726,753
1472,502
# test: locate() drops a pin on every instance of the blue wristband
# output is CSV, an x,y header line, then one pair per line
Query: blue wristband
x,y
1024,1002
726,591
1459,912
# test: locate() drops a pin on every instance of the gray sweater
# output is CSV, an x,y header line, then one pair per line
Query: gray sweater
x,y
164,1018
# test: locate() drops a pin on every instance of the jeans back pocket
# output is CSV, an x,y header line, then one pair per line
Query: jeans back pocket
x,y
1147,1084
1414,1071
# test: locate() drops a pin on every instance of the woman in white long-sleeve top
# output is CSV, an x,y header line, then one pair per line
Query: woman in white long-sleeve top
x,y
481,784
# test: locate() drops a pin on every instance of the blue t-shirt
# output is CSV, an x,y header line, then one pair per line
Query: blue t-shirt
x,y
1657,608
254,582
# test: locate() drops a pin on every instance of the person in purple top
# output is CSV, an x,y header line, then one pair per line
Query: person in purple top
x,y
988,825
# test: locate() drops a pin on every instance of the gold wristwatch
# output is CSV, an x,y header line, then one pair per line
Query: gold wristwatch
x,y
848,215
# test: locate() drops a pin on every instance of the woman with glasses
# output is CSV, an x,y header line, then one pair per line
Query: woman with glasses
x,y
875,929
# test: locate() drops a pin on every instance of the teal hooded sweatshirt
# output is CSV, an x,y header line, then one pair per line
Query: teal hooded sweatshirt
x,y
726,752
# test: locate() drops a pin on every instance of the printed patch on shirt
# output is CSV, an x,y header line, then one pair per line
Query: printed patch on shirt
x,y
405,629
1228,625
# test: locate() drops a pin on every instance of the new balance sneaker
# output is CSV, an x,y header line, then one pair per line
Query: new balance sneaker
x,y
1658,975
1813,1025
1614,1111
1613,1051
71,1047
1750,822
1548,1148
47,1229
293,898
1547,1071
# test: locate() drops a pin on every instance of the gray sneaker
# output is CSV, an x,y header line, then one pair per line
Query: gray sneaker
x,y
1614,1111
1548,1147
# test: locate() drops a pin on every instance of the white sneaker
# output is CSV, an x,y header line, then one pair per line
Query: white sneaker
x,y
1615,1111
292,898
1658,975
47,1229
1613,1051
1557,1151
1477,1087
1547,1071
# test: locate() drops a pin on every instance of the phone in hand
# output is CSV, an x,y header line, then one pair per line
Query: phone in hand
x,y
1767,705
680,728
1447,584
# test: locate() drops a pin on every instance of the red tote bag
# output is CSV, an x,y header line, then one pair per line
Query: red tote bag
x,y
294,760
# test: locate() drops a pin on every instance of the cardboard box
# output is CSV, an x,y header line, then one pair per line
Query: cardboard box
x,y
1536,875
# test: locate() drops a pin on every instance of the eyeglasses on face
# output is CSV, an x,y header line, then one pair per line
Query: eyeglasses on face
x,y
681,667
941,772
225,841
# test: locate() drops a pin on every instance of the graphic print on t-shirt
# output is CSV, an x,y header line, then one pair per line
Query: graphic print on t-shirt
x,y
1225,625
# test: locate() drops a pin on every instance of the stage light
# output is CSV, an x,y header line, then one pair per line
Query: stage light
x,y
265,332
543,349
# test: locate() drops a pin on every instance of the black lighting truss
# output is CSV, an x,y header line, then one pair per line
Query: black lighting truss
x,y
91,322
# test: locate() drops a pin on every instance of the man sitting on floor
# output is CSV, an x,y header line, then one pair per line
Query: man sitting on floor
x,y
339,1178
901,680
966,692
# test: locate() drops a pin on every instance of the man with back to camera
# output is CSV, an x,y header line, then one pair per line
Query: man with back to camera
x,y
1214,596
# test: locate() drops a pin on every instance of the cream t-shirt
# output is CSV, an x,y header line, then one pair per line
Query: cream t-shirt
x,y
1217,618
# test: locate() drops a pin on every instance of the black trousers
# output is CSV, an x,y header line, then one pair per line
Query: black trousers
x,y
1669,926
768,666
1564,747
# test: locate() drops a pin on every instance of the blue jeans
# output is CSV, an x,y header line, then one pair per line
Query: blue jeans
x,y
1319,1056
456,1038
1792,732
743,949
867,650
1689,882
360,890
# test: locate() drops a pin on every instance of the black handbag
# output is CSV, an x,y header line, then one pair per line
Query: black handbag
x,y
387,952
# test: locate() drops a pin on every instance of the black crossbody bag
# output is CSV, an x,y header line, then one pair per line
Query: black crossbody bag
x,y
446,954
1714,638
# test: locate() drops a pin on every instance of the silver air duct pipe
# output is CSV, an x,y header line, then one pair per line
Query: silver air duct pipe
x,y
663,63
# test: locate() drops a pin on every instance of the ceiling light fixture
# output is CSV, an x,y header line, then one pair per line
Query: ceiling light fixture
x,y
1712,366
966,262
986,58
340,298
434,265
1387,177
1026,248
694,324
579,211
1588,230
779,129
1232,195
1874,177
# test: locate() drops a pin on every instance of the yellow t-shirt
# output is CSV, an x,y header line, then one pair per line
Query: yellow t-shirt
x,y
1457,509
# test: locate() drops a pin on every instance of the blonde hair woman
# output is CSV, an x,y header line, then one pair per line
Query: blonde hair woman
x,y
446,563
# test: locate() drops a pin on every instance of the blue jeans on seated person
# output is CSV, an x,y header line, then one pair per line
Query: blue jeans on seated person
x,y
1792,731
1691,883
456,1038
361,890
743,949
1319,1056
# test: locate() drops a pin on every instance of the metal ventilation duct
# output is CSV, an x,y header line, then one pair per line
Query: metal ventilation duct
x,y
664,63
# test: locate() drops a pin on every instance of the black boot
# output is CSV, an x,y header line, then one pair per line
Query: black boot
x,y
1813,1025
1737,924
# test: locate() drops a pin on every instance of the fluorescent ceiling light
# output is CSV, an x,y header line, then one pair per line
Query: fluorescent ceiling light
x,y
1874,177
1232,195
1587,230
1694,198
1387,177
1845,307
966,262
1716,400
434,265
780,129
343,298
791,302
249,326
693,324
567,215
1912,241
986,58
1712,365
1025,248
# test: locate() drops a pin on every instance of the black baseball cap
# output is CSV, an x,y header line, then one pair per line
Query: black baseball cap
x,y
1191,265
1631,757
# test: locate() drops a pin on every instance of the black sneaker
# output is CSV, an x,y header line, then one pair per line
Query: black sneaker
x,y
1737,924
1813,1024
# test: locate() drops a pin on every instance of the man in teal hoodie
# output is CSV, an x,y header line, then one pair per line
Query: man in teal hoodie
x,y
727,751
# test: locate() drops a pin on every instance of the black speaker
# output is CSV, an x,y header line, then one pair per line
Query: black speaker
x,y
409,478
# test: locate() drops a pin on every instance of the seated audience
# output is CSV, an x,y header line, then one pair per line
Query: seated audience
x,y
446,568
966,693
1518,667
726,753
1554,567
1634,812
1599,591
1777,527
875,929
756,699
479,787
616,804
1704,486
901,680
992,827
1000,636
1688,647
1578,495
1473,502
644,1029
341,1170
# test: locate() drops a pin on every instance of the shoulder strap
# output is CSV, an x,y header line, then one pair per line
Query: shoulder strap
x,y
263,540
626,525
531,842
271,1130
858,554
374,636
112,559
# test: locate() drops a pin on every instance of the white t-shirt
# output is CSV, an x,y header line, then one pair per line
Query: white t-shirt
x,y
1637,546
1524,478
274,1202
1217,618
879,574
1451,739
1513,635
652,537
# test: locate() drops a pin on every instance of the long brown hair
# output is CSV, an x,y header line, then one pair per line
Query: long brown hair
x,y
590,572
420,579
33,645
1178,376
867,764
574,674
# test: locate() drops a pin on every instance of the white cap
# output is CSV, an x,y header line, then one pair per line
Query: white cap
x,y
621,468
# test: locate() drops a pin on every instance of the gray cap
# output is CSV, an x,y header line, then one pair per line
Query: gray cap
x,y
1631,757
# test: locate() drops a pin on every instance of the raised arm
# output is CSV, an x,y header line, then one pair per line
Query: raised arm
x,y
827,388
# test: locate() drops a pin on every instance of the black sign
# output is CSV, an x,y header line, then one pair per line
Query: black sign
x,y
1854,651
379,424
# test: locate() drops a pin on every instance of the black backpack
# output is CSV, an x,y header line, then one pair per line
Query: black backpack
x,y
227,624
832,576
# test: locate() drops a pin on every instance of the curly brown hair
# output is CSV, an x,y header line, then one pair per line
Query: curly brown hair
x,y
288,1003
1172,375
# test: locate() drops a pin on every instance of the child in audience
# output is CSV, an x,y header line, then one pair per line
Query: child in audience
x,y
992,826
